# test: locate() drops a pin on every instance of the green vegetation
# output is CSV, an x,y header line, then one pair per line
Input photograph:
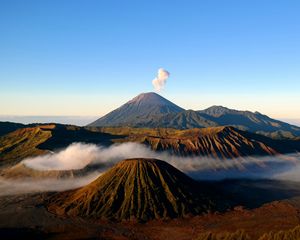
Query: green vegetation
x,y
22,143
37,140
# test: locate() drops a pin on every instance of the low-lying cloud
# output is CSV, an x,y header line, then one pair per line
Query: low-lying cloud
x,y
22,186
79,155
75,156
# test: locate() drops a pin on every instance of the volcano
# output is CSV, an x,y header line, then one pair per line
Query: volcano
x,y
150,110
142,109
140,189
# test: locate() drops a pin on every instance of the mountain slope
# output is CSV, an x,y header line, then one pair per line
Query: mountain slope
x,y
215,142
146,107
249,121
139,189
32,141
22,143
7,127
149,110
182,120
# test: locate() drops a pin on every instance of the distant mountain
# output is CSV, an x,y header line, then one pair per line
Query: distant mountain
x,y
140,189
145,108
183,120
149,110
250,121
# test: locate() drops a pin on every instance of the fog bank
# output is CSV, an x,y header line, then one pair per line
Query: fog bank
x,y
79,155
22,186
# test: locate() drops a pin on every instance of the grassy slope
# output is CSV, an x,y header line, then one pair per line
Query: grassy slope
x,y
23,143
33,141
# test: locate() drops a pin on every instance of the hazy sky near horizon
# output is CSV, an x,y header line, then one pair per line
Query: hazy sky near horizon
x,y
85,58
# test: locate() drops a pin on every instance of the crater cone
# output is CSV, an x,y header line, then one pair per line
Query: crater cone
x,y
140,189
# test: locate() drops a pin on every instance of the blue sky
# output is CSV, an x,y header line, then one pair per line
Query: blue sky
x,y
85,58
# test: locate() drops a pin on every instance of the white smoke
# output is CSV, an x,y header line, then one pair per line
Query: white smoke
x,y
160,81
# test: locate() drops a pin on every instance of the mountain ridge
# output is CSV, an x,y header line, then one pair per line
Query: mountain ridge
x,y
216,142
152,114
221,142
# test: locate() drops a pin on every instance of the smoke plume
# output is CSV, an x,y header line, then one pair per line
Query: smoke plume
x,y
160,81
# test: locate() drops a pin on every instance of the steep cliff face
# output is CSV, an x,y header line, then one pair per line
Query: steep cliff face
x,y
139,189
216,142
